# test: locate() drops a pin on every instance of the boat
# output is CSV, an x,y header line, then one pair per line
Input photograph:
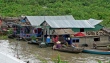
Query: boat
x,y
70,49
6,58
96,51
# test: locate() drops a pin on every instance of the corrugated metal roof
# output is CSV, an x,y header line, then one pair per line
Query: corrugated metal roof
x,y
69,24
37,20
66,17
94,22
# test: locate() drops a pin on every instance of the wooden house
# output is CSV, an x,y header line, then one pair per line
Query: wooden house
x,y
35,21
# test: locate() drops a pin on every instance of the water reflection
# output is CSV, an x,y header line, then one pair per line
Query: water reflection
x,y
32,53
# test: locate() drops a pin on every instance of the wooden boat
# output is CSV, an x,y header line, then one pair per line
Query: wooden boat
x,y
95,51
70,49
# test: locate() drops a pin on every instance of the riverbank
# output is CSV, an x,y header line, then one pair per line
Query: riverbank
x,y
34,54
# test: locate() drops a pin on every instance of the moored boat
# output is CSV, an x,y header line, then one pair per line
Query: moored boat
x,y
95,51
70,49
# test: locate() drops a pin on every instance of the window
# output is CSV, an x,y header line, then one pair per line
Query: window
x,y
81,29
97,39
75,40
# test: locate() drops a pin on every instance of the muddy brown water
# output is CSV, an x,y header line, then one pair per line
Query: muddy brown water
x,y
34,54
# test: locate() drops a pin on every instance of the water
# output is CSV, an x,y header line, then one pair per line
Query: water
x,y
34,54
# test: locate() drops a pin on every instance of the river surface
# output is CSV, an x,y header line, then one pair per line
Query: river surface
x,y
34,54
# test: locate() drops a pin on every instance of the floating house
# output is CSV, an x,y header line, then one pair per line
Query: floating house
x,y
34,23
57,27
95,33
87,35
67,27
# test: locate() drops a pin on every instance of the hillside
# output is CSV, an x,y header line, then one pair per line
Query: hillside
x,y
80,9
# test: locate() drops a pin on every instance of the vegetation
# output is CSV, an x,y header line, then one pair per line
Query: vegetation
x,y
57,60
3,34
99,61
80,9
3,37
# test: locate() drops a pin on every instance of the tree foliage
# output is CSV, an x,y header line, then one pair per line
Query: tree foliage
x,y
80,9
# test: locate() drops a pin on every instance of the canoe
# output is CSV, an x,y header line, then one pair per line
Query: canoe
x,y
95,51
70,49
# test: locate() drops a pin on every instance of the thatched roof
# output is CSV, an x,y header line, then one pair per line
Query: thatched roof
x,y
62,31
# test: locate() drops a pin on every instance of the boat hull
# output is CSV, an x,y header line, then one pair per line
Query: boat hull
x,y
70,50
101,52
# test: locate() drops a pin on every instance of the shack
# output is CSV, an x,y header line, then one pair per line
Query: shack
x,y
34,23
